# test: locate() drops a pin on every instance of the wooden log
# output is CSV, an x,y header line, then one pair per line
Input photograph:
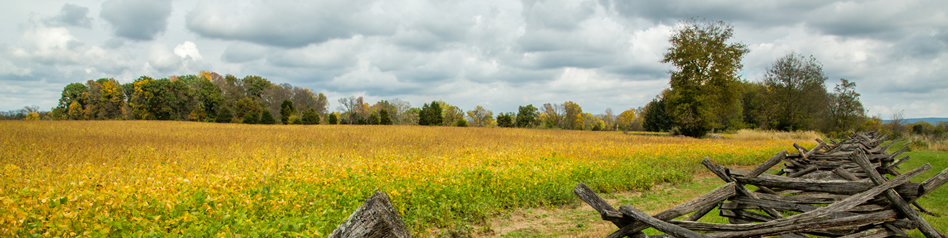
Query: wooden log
x,y
606,211
813,151
801,149
871,233
842,173
767,164
808,198
700,213
934,182
897,200
723,173
745,215
821,224
900,161
805,171
773,228
376,217
709,199
836,187
659,224
860,198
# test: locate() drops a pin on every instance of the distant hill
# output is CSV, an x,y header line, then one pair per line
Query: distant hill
x,y
930,120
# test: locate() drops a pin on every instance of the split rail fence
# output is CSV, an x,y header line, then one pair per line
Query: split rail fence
x,y
835,189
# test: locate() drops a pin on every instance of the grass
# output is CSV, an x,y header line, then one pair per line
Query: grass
x,y
936,201
165,178
665,196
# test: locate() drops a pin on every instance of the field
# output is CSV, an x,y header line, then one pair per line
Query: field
x,y
148,178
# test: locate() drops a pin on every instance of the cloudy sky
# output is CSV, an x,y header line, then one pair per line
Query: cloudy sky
x,y
498,54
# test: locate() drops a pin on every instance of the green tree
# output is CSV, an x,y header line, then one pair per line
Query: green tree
x,y
310,117
251,117
224,116
705,89
752,103
431,115
286,110
527,116
845,110
656,119
505,119
245,106
373,119
386,118
461,123
266,118
333,118
73,92
796,96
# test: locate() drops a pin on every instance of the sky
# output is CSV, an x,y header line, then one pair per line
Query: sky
x,y
497,54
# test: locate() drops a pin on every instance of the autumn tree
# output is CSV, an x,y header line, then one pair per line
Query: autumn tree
x,y
553,115
572,115
795,93
705,89
626,119
450,113
480,117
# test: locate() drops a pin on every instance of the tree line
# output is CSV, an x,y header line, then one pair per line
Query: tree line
x,y
706,92
211,97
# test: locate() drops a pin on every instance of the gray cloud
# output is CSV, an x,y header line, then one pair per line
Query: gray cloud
x,y
71,15
495,53
288,24
137,19
240,52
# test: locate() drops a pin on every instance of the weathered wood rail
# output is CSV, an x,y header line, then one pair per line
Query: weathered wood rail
x,y
836,189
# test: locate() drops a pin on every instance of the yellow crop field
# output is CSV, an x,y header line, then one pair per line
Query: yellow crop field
x,y
163,178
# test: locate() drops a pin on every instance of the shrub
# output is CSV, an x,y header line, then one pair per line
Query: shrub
x,y
310,117
266,118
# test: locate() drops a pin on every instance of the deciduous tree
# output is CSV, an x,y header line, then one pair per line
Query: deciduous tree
x,y
796,96
705,89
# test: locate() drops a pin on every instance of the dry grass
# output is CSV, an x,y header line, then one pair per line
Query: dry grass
x,y
747,134
927,143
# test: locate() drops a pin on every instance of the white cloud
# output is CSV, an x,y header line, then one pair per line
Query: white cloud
x,y
188,49
163,59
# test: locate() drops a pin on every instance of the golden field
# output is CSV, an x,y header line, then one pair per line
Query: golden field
x,y
164,178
